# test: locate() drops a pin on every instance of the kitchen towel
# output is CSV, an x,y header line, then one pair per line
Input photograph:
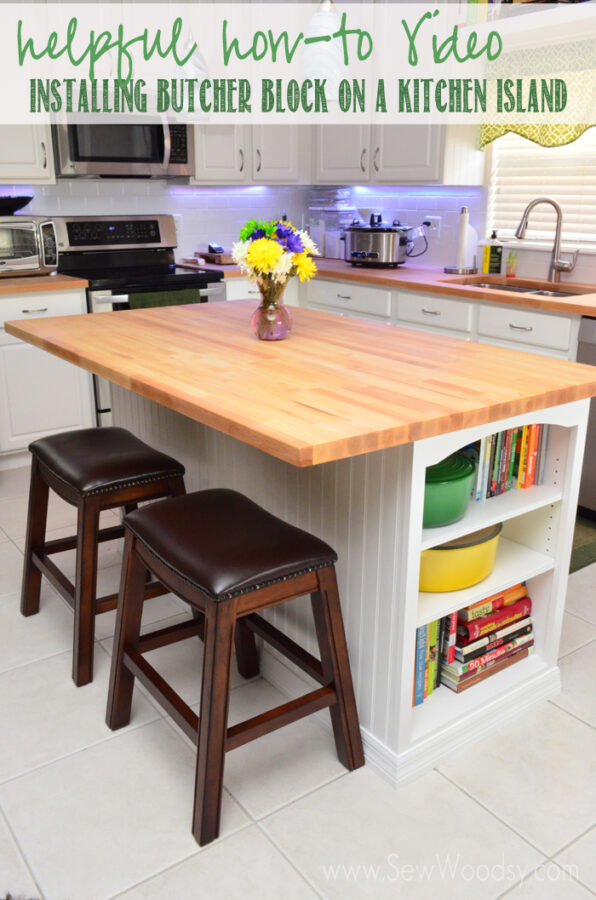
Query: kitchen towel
x,y
164,298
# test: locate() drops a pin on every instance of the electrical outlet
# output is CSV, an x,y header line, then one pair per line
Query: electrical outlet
x,y
434,226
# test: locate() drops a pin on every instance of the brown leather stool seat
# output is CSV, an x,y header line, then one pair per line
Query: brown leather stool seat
x,y
229,558
93,469
97,460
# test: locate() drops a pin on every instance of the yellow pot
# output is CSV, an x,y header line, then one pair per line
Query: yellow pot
x,y
460,563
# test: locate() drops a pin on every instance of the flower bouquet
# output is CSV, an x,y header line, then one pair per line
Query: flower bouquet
x,y
270,253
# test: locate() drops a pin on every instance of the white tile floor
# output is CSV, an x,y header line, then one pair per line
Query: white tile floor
x,y
88,814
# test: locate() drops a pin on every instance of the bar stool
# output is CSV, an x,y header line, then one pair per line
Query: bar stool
x,y
229,558
93,469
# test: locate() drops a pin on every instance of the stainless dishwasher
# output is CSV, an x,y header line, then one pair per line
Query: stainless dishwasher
x,y
587,354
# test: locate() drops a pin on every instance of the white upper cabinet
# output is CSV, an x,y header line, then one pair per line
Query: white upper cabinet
x,y
26,155
407,154
276,154
222,154
341,154
397,154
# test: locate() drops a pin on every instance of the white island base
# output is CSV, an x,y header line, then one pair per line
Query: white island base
x,y
369,508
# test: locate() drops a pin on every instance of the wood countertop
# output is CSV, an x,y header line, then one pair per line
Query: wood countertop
x,y
336,388
433,280
32,284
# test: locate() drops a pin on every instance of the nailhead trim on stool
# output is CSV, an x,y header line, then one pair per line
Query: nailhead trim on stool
x,y
226,619
52,454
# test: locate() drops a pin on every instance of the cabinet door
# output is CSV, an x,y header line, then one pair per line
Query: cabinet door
x,y
407,153
342,154
275,154
39,394
26,154
222,154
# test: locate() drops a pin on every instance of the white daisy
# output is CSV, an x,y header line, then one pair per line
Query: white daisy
x,y
308,242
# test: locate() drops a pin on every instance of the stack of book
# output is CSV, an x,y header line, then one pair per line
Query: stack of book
x,y
509,460
490,636
435,645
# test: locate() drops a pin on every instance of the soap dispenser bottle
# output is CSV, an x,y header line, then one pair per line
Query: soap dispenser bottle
x,y
492,257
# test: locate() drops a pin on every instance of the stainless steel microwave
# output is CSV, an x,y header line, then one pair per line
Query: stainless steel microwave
x,y
28,246
148,150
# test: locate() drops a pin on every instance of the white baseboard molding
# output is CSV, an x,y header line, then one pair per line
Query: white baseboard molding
x,y
396,768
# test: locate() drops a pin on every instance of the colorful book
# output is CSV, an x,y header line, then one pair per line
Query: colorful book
x,y
459,669
521,472
432,655
471,631
419,664
496,639
480,469
449,636
531,457
486,466
493,603
512,460
477,677
539,455
506,460
545,432
495,466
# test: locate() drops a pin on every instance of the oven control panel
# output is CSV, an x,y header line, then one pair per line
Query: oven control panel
x,y
108,233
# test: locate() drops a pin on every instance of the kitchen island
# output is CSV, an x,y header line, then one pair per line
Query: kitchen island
x,y
333,430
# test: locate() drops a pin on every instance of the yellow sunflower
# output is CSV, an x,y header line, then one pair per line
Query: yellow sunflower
x,y
263,255
305,267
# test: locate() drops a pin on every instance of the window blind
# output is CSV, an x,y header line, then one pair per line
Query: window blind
x,y
522,171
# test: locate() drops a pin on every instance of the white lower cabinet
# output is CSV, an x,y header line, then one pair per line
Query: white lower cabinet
x,y
243,289
536,329
434,311
39,393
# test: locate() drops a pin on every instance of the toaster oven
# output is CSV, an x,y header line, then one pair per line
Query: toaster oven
x,y
28,246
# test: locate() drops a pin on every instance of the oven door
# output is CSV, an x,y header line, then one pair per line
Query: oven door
x,y
112,301
19,248
144,150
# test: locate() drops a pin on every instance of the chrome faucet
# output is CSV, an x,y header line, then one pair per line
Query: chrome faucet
x,y
557,265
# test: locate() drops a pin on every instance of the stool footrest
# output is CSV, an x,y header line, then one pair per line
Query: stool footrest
x,y
161,690
279,716
55,576
70,543
290,649
171,635
110,601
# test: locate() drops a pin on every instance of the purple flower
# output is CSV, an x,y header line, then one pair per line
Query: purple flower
x,y
258,233
288,237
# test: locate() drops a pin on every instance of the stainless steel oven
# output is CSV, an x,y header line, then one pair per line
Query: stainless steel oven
x,y
124,259
145,150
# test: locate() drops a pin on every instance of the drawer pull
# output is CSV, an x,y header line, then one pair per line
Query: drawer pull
x,y
343,297
28,312
521,327
431,312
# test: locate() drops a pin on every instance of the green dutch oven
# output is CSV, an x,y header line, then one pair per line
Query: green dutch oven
x,y
447,490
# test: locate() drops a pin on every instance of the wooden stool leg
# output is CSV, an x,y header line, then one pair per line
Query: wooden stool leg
x,y
36,531
247,655
215,692
128,629
336,667
86,582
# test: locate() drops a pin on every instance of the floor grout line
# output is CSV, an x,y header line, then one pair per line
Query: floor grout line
x,y
26,863
573,715
290,862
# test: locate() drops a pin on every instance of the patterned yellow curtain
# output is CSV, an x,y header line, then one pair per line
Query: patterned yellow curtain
x,y
574,62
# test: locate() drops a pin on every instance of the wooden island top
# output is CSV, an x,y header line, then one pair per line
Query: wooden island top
x,y
336,388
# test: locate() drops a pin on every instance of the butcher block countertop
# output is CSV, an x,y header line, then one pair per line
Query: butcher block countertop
x,y
32,284
336,388
433,280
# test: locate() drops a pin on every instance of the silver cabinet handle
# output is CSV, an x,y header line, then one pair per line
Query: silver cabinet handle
x,y
362,158
45,155
252,292
241,154
343,297
431,312
30,312
111,298
376,159
259,160
521,327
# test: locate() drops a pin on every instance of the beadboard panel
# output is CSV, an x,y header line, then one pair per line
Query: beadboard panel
x,y
359,505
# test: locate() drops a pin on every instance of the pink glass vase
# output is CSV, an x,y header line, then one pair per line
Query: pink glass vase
x,y
271,321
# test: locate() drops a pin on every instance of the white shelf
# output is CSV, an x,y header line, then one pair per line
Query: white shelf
x,y
494,509
514,563
446,708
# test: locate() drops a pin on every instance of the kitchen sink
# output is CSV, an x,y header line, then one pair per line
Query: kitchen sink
x,y
517,289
